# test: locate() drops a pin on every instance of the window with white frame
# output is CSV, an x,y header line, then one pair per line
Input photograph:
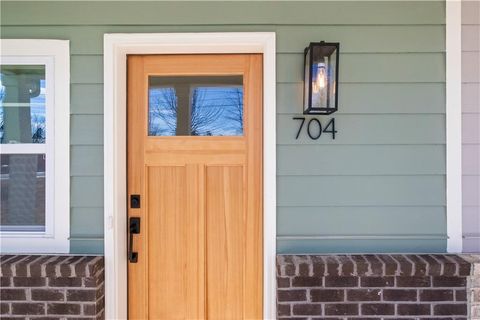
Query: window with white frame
x,y
34,146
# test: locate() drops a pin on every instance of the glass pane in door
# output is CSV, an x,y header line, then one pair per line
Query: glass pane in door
x,y
195,106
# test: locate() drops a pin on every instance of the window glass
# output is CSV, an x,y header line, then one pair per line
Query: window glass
x,y
22,104
23,170
22,178
195,106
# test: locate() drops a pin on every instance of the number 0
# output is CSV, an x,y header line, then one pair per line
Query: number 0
x,y
319,128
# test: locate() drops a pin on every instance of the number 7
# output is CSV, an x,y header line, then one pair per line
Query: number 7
x,y
301,126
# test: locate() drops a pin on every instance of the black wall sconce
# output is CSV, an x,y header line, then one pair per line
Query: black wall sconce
x,y
321,78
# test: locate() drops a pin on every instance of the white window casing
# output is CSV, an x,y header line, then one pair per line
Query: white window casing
x,y
55,56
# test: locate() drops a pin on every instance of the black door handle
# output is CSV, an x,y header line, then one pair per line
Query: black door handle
x,y
134,229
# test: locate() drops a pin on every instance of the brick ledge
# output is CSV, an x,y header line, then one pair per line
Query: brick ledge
x,y
50,266
373,265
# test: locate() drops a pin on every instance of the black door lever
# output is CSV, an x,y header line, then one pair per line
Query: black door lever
x,y
134,229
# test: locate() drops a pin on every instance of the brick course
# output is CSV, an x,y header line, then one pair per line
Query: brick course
x,y
52,287
373,287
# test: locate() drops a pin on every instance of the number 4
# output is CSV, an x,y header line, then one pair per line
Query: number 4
x,y
332,130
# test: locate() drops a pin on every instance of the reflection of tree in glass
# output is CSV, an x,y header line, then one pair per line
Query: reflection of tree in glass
x,y
213,111
38,129
163,105
204,114
236,101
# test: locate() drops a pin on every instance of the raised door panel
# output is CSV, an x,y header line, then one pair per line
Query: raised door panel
x,y
175,243
225,219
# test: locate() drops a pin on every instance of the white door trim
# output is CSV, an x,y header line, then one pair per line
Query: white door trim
x,y
454,124
116,49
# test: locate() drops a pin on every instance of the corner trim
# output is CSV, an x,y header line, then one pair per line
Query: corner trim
x,y
454,124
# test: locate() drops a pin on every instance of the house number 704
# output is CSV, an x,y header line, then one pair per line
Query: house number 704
x,y
314,128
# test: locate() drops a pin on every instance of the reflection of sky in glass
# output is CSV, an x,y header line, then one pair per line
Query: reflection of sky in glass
x,y
214,111
162,115
37,113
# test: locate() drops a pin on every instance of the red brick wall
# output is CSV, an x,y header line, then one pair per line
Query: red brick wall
x,y
54,287
372,287
309,287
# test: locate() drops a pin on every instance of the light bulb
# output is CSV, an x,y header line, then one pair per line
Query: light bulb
x,y
321,80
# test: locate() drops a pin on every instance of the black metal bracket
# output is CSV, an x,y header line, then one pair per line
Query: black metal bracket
x,y
134,228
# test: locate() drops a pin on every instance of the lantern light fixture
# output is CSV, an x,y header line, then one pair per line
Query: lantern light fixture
x,y
321,78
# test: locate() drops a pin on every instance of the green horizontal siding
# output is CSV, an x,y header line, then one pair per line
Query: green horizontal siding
x,y
224,13
87,223
86,191
290,39
307,190
86,69
86,129
335,160
357,68
355,245
86,99
86,160
350,221
86,245
378,187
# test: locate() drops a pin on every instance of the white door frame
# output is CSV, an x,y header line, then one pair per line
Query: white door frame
x,y
116,49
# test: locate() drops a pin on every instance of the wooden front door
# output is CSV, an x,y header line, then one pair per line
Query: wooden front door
x,y
195,181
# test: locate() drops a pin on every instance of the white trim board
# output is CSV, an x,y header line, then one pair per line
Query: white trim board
x,y
454,124
116,49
